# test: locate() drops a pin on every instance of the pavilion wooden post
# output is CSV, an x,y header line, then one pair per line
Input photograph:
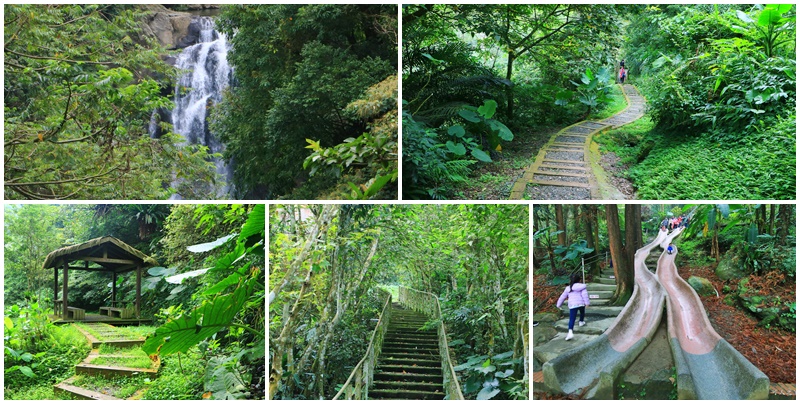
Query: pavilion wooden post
x,y
55,289
138,289
113,289
64,310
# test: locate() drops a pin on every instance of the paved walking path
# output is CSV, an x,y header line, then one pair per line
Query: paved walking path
x,y
562,169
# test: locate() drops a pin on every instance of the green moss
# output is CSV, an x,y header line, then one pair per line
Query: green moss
x,y
124,361
616,105
120,387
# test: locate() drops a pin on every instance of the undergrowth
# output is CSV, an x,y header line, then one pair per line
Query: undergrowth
x,y
759,165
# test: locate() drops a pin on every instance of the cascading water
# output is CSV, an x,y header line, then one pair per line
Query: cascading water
x,y
207,75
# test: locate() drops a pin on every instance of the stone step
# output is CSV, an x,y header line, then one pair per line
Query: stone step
x,y
782,391
429,370
560,174
378,394
412,345
415,386
410,362
421,353
560,183
594,324
577,162
558,345
81,393
600,286
598,311
411,340
576,168
411,377
606,281
111,371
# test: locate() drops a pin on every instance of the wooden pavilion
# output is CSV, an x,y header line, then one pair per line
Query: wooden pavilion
x,y
103,254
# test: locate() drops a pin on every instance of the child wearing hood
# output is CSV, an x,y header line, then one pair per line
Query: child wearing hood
x,y
578,299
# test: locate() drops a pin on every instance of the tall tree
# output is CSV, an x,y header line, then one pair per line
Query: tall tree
x,y
622,269
561,225
633,231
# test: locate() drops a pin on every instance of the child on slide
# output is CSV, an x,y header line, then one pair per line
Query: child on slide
x,y
578,298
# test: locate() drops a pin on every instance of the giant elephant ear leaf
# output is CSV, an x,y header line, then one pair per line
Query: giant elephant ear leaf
x,y
187,331
255,223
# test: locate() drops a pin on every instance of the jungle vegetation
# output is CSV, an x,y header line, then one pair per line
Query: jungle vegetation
x,y
312,111
484,84
210,255
331,267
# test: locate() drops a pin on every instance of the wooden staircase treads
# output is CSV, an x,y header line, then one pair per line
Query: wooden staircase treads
x,y
82,393
109,371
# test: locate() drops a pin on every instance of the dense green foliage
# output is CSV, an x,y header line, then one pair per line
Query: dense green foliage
x,y
297,69
220,281
720,82
80,84
533,62
329,263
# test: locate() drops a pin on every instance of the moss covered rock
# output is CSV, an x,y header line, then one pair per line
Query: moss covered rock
x,y
702,286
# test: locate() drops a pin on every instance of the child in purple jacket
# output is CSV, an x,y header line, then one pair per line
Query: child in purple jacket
x,y
578,299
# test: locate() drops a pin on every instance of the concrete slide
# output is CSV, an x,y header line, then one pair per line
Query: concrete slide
x,y
591,370
707,366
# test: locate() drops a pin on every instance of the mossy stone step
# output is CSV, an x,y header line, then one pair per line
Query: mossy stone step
x,y
410,361
432,344
405,394
111,371
410,353
411,333
607,281
80,392
430,370
411,347
412,377
415,386
600,286
424,341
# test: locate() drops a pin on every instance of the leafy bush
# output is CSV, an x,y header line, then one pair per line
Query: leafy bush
x,y
490,377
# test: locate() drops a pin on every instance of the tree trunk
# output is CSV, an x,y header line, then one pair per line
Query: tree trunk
x,y
761,218
622,269
510,89
633,231
587,227
771,227
785,222
561,225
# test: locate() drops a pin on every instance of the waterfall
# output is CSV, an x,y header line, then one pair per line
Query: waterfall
x,y
207,75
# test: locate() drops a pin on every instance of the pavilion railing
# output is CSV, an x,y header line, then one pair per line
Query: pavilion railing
x,y
357,385
429,304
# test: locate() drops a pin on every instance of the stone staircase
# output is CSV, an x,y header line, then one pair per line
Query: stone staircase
x,y
101,334
563,162
409,367
599,316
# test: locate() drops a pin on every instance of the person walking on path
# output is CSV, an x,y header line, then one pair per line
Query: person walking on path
x,y
578,298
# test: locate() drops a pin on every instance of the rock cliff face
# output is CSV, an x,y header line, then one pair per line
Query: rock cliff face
x,y
173,29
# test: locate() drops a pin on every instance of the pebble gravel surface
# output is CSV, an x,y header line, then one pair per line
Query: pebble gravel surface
x,y
545,192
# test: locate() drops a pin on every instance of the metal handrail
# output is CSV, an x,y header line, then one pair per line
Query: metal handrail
x,y
416,299
357,385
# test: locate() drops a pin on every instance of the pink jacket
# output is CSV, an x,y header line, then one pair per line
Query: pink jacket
x,y
579,296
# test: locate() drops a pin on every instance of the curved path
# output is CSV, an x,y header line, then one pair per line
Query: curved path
x,y
708,367
563,162
591,370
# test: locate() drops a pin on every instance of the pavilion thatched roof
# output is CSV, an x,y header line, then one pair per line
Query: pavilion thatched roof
x,y
109,252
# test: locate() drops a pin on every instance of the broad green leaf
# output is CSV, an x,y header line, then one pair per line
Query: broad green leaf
x,y
255,224
487,393
456,130
470,115
378,184
473,383
503,375
502,130
752,233
456,148
184,332
486,363
8,323
27,356
27,371
488,109
198,248
481,155
503,355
